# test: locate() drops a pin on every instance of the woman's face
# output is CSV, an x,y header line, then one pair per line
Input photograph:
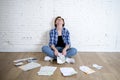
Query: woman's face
x,y
59,21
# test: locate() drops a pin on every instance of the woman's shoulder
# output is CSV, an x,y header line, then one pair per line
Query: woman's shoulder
x,y
65,29
53,30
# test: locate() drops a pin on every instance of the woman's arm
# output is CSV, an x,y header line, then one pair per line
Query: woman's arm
x,y
55,50
51,42
64,52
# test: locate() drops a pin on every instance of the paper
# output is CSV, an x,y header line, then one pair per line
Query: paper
x,y
24,59
32,60
19,64
60,58
97,66
68,71
86,69
47,70
29,66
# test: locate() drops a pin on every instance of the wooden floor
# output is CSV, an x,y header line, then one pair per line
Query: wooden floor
x,y
109,61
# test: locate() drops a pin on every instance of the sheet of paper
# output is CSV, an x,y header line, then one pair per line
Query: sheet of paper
x,y
68,71
97,66
24,59
47,70
19,64
60,58
29,66
86,69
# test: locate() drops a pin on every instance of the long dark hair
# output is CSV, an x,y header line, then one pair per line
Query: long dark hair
x,y
56,20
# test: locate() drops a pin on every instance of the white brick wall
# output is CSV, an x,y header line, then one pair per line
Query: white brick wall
x,y
93,24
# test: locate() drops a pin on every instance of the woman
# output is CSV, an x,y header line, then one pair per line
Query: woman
x,y
59,41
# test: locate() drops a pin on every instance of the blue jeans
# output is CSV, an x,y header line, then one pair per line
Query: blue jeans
x,y
49,52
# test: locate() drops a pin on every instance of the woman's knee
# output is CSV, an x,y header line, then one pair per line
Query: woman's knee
x,y
74,50
47,50
44,48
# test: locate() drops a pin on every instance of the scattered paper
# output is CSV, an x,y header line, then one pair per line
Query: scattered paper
x,y
32,60
60,58
47,70
86,69
29,66
68,71
19,64
97,66
24,59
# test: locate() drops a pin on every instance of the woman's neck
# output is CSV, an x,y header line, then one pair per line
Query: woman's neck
x,y
59,28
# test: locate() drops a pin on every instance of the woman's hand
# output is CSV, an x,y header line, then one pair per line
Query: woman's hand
x,y
64,52
56,52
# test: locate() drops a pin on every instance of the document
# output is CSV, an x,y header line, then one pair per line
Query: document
x,y
68,71
47,70
60,58
97,66
29,66
24,59
86,69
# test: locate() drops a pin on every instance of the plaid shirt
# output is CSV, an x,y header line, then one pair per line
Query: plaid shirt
x,y
54,37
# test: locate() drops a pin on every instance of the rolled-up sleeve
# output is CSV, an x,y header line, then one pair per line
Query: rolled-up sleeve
x,y
51,39
68,38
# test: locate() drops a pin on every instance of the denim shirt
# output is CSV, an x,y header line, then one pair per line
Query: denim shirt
x,y
54,37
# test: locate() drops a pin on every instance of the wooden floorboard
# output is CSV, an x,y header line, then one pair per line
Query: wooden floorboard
x,y
109,61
